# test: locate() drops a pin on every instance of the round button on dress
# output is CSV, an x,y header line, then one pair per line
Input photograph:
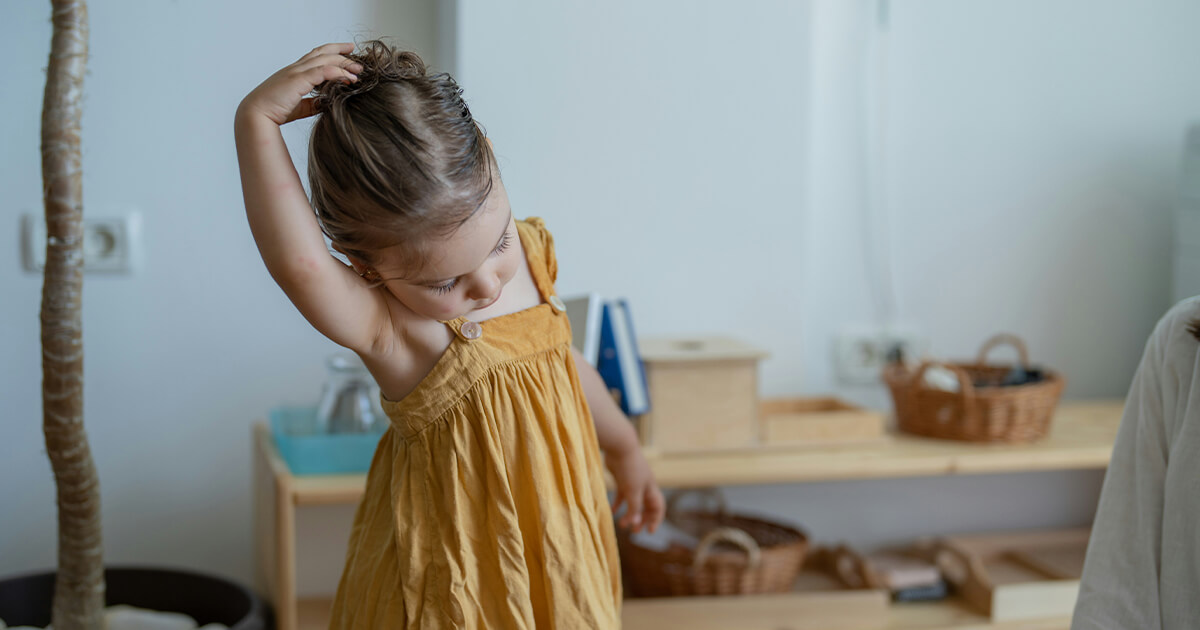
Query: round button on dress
x,y
471,330
557,303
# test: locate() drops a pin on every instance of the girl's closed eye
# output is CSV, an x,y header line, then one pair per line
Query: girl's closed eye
x,y
501,247
504,243
444,288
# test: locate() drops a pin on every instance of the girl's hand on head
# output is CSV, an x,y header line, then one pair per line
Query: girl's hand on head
x,y
282,98
636,489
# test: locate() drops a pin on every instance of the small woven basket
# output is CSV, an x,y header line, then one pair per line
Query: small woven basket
x,y
736,555
975,413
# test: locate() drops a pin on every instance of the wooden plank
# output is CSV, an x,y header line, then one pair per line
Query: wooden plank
x,y
328,489
744,614
954,615
1081,437
264,516
842,609
285,554
766,612
314,613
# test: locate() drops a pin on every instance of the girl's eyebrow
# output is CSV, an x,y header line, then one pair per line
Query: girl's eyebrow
x,y
498,241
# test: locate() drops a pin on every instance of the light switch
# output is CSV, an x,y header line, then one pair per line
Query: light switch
x,y
110,244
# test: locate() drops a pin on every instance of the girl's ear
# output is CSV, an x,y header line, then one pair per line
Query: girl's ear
x,y
361,267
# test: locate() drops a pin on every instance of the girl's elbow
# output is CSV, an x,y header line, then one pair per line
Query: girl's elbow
x,y
296,271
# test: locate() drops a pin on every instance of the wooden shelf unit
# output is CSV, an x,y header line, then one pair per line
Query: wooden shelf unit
x,y
765,612
1081,438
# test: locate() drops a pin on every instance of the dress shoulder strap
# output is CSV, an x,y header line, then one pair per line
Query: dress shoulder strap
x,y
539,251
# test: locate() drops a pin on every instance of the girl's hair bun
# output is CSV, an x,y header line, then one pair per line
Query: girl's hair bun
x,y
381,63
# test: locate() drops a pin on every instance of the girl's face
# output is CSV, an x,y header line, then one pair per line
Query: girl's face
x,y
468,269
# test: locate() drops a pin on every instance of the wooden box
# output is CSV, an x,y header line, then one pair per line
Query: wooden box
x,y
816,421
1016,576
703,394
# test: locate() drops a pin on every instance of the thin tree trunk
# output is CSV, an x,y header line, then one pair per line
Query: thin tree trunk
x,y
79,588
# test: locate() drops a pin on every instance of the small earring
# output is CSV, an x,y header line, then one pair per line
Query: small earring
x,y
369,275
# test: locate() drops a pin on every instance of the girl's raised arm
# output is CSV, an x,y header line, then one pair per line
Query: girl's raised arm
x,y
329,294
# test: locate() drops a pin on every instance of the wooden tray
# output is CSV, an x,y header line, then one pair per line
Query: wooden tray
x,y
819,594
1016,576
817,421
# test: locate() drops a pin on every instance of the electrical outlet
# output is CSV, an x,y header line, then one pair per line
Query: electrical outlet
x,y
110,244
860,356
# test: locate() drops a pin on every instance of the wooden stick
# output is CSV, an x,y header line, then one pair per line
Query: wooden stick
x,y
79,587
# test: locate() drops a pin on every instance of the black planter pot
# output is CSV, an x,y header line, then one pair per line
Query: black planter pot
x,y
26,600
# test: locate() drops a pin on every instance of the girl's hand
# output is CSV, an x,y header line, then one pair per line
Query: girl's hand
x,y
282,97
636,488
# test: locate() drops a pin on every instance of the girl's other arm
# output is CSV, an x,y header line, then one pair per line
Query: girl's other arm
x,y
636,488
329,294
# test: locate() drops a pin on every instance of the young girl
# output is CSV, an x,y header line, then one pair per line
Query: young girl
x,y
485,505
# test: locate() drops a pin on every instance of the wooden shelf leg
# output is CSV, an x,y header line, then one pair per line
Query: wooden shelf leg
x,y
285,557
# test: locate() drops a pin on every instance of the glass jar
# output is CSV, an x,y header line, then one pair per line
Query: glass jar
x,y
350,400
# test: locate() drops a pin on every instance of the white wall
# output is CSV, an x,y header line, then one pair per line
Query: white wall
x,y
666,150
705,162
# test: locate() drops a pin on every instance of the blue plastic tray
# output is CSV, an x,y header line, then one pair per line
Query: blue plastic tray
x,y
308,452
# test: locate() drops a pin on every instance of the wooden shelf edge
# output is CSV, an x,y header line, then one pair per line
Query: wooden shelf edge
x,y
1082,440
313,614
329,489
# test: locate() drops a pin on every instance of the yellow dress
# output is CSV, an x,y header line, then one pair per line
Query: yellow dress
x,y
485,505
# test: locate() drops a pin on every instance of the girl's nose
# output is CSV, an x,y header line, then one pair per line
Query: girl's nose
x,y
485,286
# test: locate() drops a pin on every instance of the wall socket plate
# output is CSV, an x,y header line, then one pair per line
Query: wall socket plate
x,y
111,244
859,356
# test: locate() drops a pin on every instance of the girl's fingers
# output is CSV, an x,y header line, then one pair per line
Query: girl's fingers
x,y
340,61
329,61
351,65
337,61
321,74
626,519
633,514
617,502
655,508
340,48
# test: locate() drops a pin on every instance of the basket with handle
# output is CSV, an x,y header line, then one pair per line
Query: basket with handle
x,y
735,555
981,410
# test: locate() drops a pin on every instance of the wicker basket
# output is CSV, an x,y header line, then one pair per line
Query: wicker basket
x,y
736,555
975,413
